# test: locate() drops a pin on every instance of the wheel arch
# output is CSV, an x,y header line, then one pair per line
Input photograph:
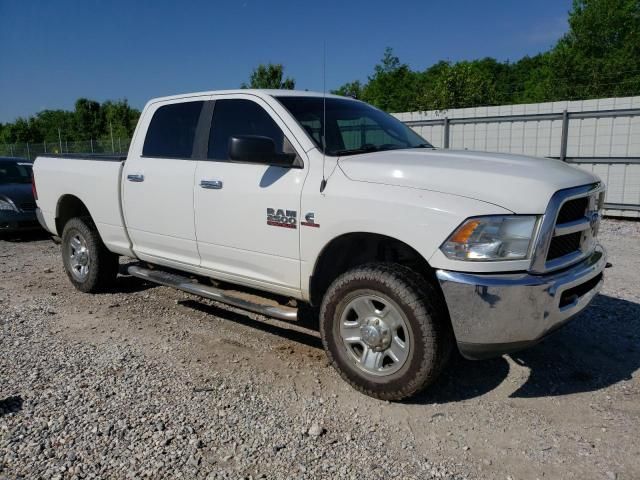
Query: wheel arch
x,y
69,206
352,249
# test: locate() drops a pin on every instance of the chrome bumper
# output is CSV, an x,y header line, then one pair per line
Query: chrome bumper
x,y
501,313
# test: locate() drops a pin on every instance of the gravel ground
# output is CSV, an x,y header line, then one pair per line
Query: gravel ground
x,y
151,382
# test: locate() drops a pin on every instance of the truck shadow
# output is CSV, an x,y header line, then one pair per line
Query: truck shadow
x,y
25,236
296,335
600,348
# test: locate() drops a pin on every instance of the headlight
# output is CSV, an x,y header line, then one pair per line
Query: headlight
x,y
500,237
5,205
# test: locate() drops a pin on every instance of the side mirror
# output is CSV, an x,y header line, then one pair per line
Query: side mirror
x,y
258,149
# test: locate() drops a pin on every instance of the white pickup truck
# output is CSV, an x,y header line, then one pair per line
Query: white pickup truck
x,y
402,250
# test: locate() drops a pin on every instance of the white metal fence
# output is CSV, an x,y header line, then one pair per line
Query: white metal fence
x,y
602,136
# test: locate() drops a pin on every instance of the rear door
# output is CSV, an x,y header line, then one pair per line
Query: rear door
x,y
247,213
158,184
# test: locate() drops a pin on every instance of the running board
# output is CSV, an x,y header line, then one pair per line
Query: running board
x,y
187,285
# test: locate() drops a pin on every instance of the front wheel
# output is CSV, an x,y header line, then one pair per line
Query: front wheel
x,y
89,265
385,330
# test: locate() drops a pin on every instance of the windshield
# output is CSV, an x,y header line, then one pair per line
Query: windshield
x,y
351,127
11,172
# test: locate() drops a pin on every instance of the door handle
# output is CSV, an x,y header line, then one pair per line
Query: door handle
x,y
136,177
211,184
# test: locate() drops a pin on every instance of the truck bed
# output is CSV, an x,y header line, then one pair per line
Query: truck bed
x,y
96,182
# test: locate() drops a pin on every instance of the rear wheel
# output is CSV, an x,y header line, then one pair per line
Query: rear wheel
x,y
384,329
89,265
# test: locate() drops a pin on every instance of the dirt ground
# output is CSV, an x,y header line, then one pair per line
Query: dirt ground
x,y
567,408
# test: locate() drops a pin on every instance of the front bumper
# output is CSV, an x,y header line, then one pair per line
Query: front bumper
x,y
493,314
18,221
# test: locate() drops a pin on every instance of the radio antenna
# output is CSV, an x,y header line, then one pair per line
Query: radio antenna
x,y
323,183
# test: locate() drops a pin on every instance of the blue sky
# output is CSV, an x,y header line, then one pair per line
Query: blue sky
x,y
53,52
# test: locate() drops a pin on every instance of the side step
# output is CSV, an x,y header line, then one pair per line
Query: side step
x,y
187,285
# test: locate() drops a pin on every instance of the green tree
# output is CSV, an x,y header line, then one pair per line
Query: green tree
x,y
270,76
119,118
19,131
600,55
459,85
47,123
531,80
350,89
393,86
89,119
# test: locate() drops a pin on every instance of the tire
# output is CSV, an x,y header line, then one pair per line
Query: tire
x,y
89,265
387,306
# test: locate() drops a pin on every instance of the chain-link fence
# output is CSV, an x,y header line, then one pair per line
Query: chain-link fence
x,y
32,150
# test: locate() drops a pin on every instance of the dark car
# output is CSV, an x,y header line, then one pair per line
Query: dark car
x,y
17,205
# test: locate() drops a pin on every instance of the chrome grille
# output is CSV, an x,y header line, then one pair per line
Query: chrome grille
x,y
569,227
573,210
564,245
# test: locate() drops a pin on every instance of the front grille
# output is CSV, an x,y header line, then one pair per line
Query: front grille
x,y
564,245
28,206
573,210
571,295
567,233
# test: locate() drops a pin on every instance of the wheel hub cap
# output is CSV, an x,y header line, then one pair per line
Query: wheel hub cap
x,y
375,333
79,259
83,258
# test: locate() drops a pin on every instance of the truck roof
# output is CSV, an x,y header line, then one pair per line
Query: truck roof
x,y
261,92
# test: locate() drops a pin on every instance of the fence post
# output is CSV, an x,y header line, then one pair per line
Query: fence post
x,y
446,132
564,136
91,140
66,145
28,152
45,146
60,140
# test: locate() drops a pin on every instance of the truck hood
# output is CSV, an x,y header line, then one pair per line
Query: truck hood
x,y
515,182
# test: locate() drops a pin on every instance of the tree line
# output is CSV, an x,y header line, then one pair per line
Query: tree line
x,y
90,120
598,57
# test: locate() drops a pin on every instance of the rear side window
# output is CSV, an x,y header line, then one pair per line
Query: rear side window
x,y
11,172
172,130
235,117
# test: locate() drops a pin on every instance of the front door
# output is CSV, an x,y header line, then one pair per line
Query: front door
x,y
247,213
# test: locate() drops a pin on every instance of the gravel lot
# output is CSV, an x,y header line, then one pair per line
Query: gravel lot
x,y
152,382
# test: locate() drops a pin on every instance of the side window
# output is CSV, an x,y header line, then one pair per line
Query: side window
x,y
172,130
235,117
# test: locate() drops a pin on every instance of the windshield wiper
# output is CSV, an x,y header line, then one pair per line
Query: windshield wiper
x,y
367,148
351,151
423,145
